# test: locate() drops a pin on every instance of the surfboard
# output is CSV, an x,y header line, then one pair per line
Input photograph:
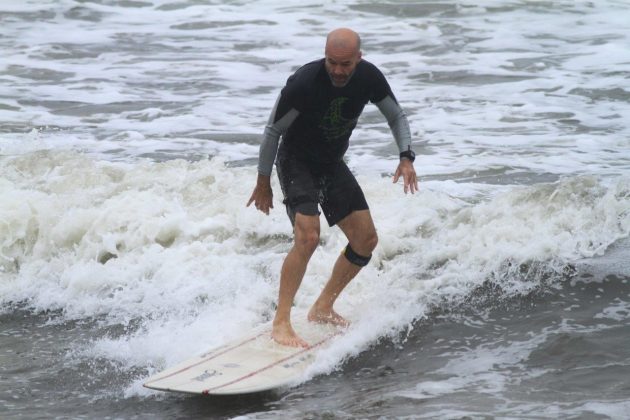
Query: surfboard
x,y
252,363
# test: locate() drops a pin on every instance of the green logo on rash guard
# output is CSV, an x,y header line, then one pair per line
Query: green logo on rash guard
x,y
333,124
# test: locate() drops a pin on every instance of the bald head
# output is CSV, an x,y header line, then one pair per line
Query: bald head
x,y
343,38
343,53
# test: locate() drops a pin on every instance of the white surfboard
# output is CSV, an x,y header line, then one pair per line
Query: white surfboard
x,y
252,363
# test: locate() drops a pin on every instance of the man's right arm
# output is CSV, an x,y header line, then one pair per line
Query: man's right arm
x,y
276,126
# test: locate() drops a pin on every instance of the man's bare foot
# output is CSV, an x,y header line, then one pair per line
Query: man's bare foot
x,y
284,334
327,317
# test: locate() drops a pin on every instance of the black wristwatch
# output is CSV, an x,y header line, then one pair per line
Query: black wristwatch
x,y
408,154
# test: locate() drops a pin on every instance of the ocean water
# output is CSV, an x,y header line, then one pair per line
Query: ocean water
x,y
129,133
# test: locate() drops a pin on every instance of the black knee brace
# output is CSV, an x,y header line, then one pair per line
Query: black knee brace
x,y
355,258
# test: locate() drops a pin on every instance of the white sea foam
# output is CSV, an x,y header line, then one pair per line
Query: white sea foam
x,y
171,246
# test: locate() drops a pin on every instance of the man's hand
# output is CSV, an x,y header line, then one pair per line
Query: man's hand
x,y
406,170
262,195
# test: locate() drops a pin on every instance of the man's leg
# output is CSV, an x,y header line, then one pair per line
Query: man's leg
x,y
361,233
306,232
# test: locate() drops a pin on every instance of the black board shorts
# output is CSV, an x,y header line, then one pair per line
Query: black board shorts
x,y
305,186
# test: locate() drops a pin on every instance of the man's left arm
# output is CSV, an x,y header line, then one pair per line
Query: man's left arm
x,y
399,125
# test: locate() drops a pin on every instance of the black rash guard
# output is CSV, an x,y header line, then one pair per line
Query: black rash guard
x,y
316,118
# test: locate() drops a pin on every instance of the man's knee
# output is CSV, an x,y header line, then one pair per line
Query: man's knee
x,y
356,258
366,243
360,253
306,236
371,241
307,241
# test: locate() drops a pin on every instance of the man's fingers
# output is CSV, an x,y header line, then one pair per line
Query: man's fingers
x,y
262,206
262,198
414,184
411,181
396,175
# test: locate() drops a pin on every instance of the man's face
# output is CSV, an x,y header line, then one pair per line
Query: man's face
x,y
340,64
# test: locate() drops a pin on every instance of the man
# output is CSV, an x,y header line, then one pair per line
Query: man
x,y
315,115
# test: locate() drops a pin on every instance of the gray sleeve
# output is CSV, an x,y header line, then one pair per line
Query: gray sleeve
x,y
271,138
397,121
